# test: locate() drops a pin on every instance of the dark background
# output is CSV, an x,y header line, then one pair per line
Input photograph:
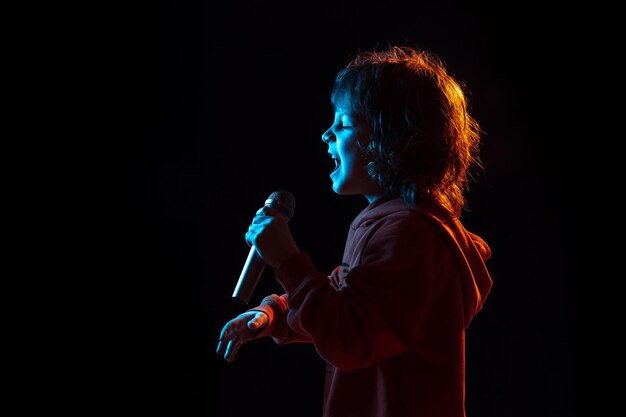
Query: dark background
x,y
227,104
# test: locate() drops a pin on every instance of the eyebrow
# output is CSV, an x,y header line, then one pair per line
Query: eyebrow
x,y
341,113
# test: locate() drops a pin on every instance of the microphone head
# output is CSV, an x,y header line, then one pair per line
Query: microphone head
x,y
282,201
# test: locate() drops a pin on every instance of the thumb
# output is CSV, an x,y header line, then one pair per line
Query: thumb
x,y
259,320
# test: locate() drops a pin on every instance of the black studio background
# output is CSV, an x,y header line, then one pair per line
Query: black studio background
x,y
223,105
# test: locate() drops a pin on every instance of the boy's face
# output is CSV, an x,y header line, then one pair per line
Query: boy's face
x,y
350,174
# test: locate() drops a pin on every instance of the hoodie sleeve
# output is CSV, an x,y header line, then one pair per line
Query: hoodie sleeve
x,y
375,316
275,307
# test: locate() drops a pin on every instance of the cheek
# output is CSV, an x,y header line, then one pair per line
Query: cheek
x,y
351,152
350,163
355,157
355,168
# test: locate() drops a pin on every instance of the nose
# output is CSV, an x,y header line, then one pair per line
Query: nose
x,y
328,136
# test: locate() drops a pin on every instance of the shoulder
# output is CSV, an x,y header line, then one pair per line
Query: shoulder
x,y
394,218
405,228
404,221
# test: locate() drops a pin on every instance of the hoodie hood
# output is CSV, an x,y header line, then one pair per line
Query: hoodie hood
x,y
470,250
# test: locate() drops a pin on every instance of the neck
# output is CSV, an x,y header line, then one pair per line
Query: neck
x,y
373,197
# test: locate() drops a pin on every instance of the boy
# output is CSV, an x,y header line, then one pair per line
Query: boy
x,y
390,321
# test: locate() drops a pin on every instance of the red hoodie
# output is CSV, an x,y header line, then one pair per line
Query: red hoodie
x,y
390,321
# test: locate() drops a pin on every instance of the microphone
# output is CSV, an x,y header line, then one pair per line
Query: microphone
x,y
285,203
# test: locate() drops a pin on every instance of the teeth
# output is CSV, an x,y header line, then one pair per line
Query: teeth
x,y
337,162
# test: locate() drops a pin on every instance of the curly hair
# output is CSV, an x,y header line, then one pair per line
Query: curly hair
x,y
423,139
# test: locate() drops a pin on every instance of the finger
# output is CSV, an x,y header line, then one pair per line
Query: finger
x,y
255,230
231,350
225,336
267,211
250,236
225,331
228,330
260,219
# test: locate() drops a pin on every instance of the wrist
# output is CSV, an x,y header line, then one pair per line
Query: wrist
x,y
288,256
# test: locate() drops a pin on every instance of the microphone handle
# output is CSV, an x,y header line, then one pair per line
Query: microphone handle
x,y
249,277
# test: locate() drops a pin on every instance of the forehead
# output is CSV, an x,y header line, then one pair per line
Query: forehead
x,y
344,98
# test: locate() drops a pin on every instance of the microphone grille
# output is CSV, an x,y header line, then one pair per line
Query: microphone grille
x,y
282,201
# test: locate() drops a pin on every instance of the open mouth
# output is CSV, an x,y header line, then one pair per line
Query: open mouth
x,y
337,162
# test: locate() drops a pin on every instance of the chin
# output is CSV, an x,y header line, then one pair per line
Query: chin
x,y
337,188
341,189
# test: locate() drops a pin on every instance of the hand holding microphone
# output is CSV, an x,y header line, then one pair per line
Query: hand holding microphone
x,y
270,240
